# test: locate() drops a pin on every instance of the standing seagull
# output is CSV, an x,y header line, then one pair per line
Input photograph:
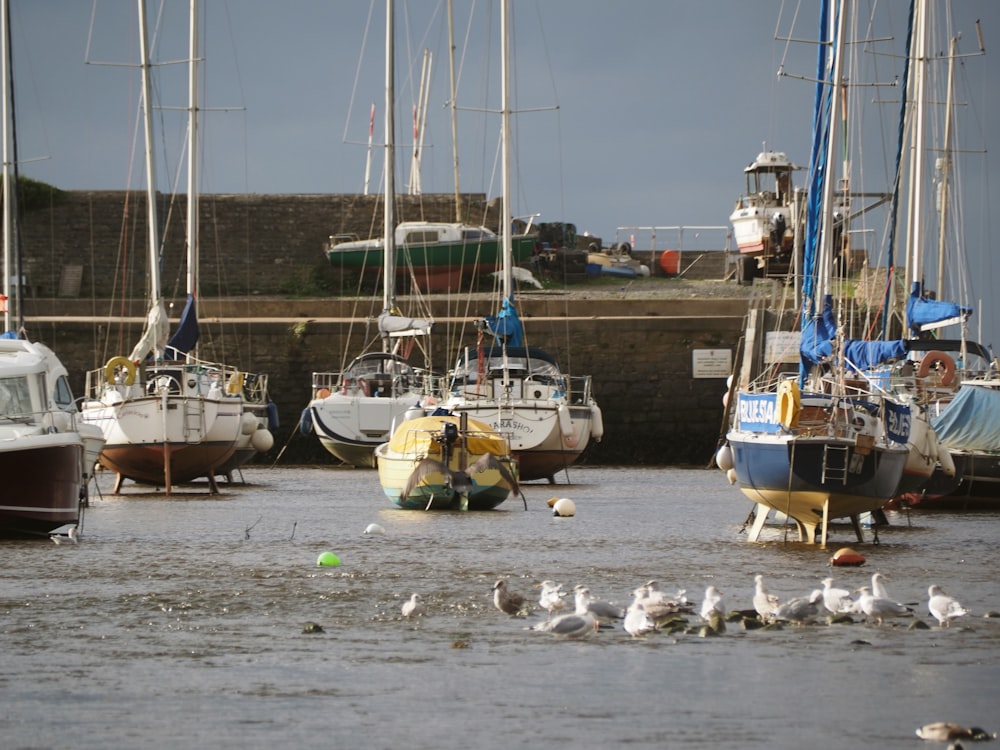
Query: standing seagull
x,y
637,620
837,601
506,600
764,602
944,608
550,598
880,607
603,611
413,607
712,603
879,591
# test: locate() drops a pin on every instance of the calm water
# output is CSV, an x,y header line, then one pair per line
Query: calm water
x,y
179,623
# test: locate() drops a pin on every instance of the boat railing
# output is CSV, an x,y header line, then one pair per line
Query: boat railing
x,y
579,391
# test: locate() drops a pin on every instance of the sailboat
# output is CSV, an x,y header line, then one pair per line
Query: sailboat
x,y
167,417
827,443
47,453
354,411
516,388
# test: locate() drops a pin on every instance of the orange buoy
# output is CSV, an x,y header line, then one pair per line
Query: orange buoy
x,y
845,556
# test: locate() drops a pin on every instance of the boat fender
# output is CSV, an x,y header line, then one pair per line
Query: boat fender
x,y
724,457
847,556
322,393
262,440
937,360
306,422
789,404
596,422
946,462
248,423
235,384
272,416
111,370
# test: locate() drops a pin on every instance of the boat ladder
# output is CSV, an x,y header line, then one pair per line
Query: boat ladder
x,y
194,420
835,458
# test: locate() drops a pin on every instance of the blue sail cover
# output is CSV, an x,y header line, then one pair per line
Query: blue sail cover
x,y
818,332
864,355
186,335
971,422
506,325
921,312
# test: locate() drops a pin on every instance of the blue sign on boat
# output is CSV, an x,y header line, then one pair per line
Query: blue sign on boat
x,y
758,412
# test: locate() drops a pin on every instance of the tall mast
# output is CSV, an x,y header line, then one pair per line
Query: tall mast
x,y
945,170
7,182
505,227
192,186
152,222
389,213
454,108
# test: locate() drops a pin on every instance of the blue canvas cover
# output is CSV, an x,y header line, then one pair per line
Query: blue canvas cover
x,y
922,312
186,335
818,332
864,355
971,422
506,325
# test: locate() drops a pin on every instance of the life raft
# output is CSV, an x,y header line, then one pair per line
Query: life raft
x,y
940,362
111,370
789,404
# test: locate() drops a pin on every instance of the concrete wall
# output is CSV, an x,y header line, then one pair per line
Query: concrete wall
x,y
639,353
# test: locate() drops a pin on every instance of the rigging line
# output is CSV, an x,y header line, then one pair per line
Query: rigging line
x,y
357,71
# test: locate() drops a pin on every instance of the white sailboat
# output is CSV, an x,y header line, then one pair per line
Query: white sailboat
x,y
167,417
515,388
354,411
47,453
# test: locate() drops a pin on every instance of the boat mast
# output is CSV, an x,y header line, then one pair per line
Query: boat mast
x,y
945,169
837,103
454,107
7,182
192,186
152,222
389,212
505,227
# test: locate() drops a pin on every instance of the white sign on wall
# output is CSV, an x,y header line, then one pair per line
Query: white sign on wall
x,y
782,347
712,363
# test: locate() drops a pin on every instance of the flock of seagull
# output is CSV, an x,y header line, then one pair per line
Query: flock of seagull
x,y
652,609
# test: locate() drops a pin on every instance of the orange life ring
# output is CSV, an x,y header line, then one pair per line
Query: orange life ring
x,y
938,359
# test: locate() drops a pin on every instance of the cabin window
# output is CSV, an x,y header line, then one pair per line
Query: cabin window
x,y
421,237
64,395
15,397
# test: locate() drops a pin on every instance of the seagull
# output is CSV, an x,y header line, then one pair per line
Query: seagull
x,y
460,481
551,597
945,731
944,608
507,601
637,620
764,602
657,604
603,611
878,587
573,625
880,607
413,607
712,603
72,536
837,601
801,609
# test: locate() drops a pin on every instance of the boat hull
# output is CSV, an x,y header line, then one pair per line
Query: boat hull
x,y
165,441
351,427
412,462
42,484
795,476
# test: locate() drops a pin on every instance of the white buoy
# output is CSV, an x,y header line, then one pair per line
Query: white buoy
x,y
731,476
374,529
724,457
564,508
262,440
